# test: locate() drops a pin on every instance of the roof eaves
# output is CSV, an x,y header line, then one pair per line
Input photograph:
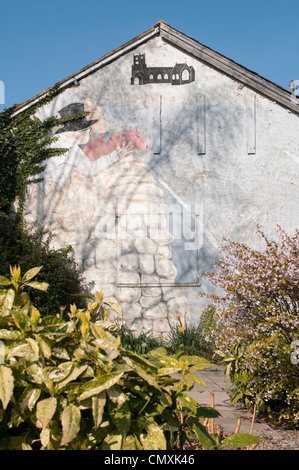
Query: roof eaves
x,y
199,51
227,66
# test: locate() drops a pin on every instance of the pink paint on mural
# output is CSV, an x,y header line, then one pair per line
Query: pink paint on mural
x,y
107,143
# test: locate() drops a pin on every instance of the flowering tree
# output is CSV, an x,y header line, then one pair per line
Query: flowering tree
x,y
258,322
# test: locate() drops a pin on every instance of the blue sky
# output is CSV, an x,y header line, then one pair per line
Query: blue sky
x,y
44,41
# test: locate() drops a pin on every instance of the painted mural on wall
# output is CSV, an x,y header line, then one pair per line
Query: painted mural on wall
x,y
101,199
179,74
144,149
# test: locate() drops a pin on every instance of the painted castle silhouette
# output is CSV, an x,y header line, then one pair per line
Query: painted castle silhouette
x,y
179,74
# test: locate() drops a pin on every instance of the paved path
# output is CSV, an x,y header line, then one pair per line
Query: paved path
x,y
215,383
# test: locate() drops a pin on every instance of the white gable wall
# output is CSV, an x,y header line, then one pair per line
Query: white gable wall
x,y
221,183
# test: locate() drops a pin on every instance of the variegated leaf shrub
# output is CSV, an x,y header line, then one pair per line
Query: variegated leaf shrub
x,y
71,385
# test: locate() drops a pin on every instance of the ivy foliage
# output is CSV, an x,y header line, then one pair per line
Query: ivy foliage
x,y
25,146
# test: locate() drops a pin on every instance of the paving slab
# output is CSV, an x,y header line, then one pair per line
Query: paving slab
x,y
229,413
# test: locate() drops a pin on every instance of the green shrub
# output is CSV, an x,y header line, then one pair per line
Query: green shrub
x,y
257,323
25,146
183,337
205,328
71,385
28,247
142,343
194,339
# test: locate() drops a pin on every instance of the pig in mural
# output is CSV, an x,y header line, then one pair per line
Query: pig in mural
x,y
107,143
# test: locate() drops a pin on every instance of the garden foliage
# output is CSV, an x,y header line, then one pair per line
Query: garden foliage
x,y
258,323
25,147
32,247
70,384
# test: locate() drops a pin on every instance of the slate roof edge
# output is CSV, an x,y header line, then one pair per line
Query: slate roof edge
x,y
194,48
94,66
229,67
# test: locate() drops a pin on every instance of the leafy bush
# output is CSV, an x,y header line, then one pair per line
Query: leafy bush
x,y
193,339
142,343
183,337
26,248
205,328
71,385
25,145
258,322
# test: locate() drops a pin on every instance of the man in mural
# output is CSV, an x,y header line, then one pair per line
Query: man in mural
x,y
75,136
124,248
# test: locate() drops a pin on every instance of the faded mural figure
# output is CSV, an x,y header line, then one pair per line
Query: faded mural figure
x,y
109,142
121,249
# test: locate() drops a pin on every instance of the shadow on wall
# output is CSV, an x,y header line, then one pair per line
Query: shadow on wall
x,y
76,188
99,196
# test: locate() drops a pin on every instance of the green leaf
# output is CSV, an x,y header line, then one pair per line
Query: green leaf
x,y
4,281
207,412
17,349
112,442
116,395
28,398
108,347
240,440
199,380
33,355
70,420
25,446
154,439
45,410
45,346
98,405
95,386
160,351
21,321
188,402
6,385
137,359
34,316
60,353
7,299
237,397
68,373
15,272
52,320
171,365
36,374
121,417
195,362
10,335
99,295
129,443
45,437
95,436
97,331
31,273
147,377
204,437
117,308
38,285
